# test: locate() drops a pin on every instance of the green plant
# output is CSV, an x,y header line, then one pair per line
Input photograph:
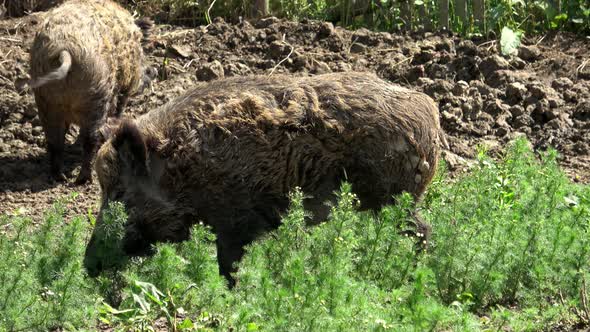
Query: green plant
x,y
42,283
510,41
532,17
509,251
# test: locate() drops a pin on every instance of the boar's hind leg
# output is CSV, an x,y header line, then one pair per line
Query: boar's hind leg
x,y
55,135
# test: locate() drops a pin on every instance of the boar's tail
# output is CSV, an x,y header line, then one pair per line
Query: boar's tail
x,y
59,74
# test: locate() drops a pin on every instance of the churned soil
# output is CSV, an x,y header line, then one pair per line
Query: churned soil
x,y
485,99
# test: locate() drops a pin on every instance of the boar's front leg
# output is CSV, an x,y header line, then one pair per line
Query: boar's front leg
x,y
229,251
89,137
244,230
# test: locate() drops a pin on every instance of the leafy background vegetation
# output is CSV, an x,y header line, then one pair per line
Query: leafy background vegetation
x,y
530,16
509,250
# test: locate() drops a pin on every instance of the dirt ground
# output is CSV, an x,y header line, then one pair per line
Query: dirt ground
x,y
484,98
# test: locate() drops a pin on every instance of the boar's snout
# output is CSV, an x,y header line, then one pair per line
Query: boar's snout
x,y
105,248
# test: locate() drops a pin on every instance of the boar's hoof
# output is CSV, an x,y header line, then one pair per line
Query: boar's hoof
x,y
59,177
84,177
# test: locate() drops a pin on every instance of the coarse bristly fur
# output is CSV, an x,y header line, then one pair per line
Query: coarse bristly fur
x,y
229,152
86,60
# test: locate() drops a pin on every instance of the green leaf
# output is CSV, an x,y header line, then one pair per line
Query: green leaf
x,y
419,2
91,218
186,324
560,17
145,306
510,41
150,290
252,327
572,200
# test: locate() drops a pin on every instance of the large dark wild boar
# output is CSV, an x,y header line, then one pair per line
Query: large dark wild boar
x,y
86,60
229,152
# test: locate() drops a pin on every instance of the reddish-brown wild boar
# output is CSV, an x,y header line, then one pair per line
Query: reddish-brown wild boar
x,y
229,152
86,60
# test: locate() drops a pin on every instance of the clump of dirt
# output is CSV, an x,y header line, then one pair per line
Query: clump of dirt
x,y
484,98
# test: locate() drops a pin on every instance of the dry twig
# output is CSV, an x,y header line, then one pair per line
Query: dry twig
x,y
11,39
285,59
582,66
209,13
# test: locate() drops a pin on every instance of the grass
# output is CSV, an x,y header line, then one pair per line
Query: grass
x,y
509,251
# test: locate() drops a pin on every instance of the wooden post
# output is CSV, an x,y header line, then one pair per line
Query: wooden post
x,y
444,14
461,12
478,15
260,8
425,17
345,12
406,14
367,6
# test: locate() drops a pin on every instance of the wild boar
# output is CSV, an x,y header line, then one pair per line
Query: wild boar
x,y
86,60
229,152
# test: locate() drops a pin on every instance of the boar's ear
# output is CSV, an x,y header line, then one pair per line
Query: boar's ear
x,y
107,130
130,146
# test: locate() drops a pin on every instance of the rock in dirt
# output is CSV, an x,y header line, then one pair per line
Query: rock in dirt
x,y
562,83
460,88
37,131
446,45
236,69
266,22
210,71
467,47
529,53
335,43
501,78
493,63
4,147
438,88
453,160
523,121
516,111
540,91
517,63
582,111
496,108
582,148
358,48
365,37
278,50
515,92
325,30
182,51
570,96
30,111
320,67
555,102
423,57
